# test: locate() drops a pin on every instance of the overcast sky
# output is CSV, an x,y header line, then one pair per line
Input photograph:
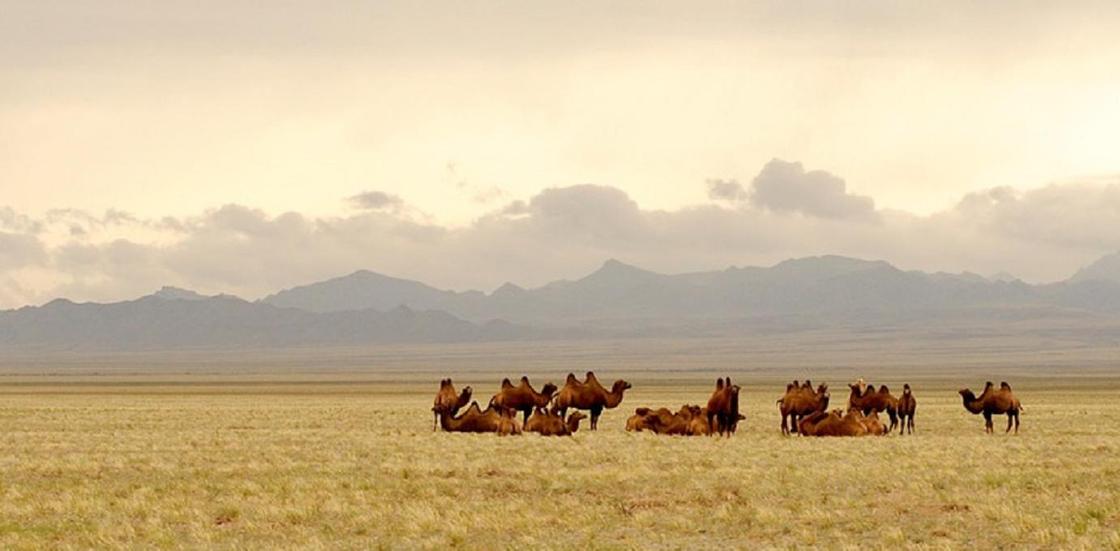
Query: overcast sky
x,y
231,147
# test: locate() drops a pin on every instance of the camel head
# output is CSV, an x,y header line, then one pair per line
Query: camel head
x,y
825,397
577,416
444,382
619,386
906,388
967,394
548,389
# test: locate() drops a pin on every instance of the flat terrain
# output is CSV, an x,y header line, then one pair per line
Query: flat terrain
x,y
184,452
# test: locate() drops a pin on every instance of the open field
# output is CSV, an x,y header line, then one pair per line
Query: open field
x,y
128,453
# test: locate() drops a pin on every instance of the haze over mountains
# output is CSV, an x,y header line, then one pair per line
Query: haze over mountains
x,y
616,301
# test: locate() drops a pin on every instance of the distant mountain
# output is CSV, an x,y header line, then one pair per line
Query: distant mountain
x,y
1105,269
161,321
617,300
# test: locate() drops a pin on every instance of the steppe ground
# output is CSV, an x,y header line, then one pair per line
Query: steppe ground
x,y
336,449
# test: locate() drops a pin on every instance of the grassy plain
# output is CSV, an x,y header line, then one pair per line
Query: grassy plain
x,y
294,450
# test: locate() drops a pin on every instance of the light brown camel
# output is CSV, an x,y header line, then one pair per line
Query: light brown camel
x,y
551,424
689,420
907,405
448,401
589,395
641,420
699,425
723,408
493,419
523,397
799,401
871,400
872,424
832,423
994,401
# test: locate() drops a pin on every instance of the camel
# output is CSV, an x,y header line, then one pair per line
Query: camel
x,y
799,401
447,400
551,424
871,400
723,408
523,397
872,424
906,407
994,402
698,425
589,395
493,419
823,423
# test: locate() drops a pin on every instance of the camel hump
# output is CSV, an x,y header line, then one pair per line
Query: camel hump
x,y
1004,385
719,384
506,383
590,376
727,382
884,390
571,380
789,387
641,411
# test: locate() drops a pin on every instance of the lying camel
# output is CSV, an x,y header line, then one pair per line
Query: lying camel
x,y
907,405
690,420
589,395
699,425
872,424
994,402
551,424
832,423
723,408
523,397
871,400
799,401
493,419
447,401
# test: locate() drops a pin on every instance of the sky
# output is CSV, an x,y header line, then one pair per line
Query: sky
x,y
229,147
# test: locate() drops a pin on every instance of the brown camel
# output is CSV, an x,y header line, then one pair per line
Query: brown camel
x,y
799,401
493,419
872,424
589,395
871,400
698,425
723,408
822,423
551,424
643,419
994,401
689,420
907,405
523,397
448,401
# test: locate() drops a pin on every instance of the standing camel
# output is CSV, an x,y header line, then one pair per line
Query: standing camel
x,y
799,401
723,408
994,401
870,400
523,397
589,395
907,405
448,401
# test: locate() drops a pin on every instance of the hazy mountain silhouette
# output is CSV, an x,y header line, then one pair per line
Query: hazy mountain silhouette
x,y
1104,269
616,300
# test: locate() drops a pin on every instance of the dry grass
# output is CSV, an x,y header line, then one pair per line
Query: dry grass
x,y
358,466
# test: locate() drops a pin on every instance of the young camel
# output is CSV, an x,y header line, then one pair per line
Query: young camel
x,y
447,401
589,395
907,405
994,402
523,397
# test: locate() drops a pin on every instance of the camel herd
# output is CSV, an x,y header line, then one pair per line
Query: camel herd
x,y
803,408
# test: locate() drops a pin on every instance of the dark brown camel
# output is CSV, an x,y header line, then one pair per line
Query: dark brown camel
x,y
448,401
823,423
551,424
589,395
799,401
723,408
994,401
871,400
523,397
907,405
493,419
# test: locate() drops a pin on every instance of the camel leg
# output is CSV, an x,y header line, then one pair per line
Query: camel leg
x,y
595,412
794,425
1016,421
525,420
894,419
785,430
911,423
434,421
987,422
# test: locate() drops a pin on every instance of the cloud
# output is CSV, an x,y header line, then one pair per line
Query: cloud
x,y
725,190
376,200
1043,234
786,187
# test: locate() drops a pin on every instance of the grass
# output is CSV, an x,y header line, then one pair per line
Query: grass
x,y
346,460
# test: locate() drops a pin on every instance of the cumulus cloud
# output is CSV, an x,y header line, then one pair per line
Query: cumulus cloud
x,y
725,190
376,200
1040,235
786,187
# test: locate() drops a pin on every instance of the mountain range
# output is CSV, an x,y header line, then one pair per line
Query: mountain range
x,y
617,300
